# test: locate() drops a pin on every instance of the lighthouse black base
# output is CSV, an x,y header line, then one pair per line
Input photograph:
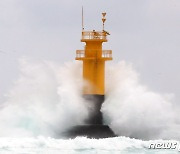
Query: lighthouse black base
x,y
95,103
89,131
94,127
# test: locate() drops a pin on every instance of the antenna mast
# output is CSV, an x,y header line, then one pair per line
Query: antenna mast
x,y
82,19
103,18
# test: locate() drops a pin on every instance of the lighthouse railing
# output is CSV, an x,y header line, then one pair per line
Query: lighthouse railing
x,y
105,54
88,35
80,53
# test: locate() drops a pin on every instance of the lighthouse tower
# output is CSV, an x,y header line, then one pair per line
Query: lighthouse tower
x,y
94,58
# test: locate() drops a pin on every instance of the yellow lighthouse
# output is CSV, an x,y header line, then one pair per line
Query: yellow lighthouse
x,y
94,57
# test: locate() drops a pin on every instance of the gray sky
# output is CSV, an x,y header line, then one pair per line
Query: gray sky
x,y
144,32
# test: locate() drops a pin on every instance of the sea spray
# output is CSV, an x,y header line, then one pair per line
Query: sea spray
x,y
83,145
132,110
45,100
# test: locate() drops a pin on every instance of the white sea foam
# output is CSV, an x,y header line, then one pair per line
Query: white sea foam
x,y
81,145
46,99
132,110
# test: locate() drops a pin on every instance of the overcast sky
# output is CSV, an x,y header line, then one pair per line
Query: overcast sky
x,y
143,32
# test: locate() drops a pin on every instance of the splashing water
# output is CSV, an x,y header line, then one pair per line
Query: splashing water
x,y
82,145
46,100
132,110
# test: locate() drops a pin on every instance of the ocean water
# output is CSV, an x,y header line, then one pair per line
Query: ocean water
x,y
81,145
46,100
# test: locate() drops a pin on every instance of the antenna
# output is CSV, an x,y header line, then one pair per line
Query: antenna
x,y
82,19
103,18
